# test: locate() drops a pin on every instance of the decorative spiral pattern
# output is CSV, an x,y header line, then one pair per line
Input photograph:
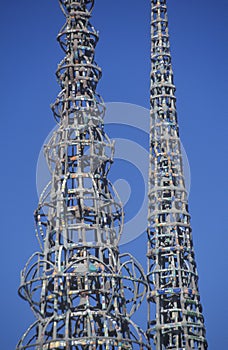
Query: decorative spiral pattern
x,y
79,287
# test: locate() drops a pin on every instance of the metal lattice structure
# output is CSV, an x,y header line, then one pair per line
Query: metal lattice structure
x,y
82,291
172,274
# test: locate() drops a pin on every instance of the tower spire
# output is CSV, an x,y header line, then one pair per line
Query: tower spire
x,y
76,283
172,274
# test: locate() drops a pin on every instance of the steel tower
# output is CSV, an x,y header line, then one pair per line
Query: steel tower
x,y
172,274
79,287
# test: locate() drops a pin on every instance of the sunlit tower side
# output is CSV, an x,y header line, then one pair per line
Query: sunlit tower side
x,y
172,275
81,290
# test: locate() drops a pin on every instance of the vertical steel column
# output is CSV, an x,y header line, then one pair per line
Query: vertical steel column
x,y
172,274
80,289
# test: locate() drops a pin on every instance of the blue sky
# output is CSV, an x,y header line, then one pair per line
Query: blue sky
x,y
29,57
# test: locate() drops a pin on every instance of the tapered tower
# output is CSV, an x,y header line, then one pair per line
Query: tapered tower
x,y
80,289
172,274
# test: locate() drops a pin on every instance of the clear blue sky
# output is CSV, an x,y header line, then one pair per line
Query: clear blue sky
x,y
29,57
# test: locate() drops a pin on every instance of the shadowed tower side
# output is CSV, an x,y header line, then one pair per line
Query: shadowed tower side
x,y
81,290
172,273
